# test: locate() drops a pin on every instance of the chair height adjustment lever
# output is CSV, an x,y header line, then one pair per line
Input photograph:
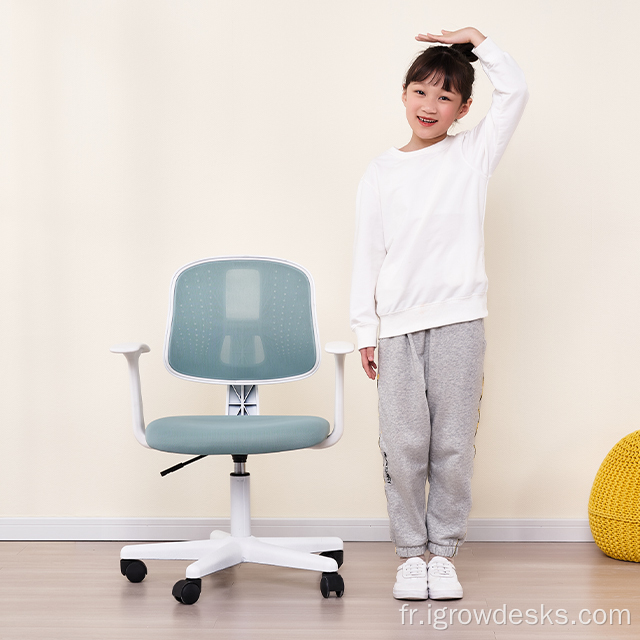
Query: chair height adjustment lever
x,y
177,467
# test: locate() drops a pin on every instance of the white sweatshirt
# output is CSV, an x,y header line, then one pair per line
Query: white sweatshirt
x,y
419,246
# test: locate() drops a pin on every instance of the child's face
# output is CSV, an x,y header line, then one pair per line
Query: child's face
x,y
431,111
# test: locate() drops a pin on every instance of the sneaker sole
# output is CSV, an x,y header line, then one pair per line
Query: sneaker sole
x,y
445,595
410,595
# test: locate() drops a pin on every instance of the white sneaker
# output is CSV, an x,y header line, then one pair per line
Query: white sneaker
x,y
443,581
411,580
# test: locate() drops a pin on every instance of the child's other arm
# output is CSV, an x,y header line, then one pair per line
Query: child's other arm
x,y
367,356
368,255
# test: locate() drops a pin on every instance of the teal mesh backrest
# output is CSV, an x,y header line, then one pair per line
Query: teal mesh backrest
x,y
242,320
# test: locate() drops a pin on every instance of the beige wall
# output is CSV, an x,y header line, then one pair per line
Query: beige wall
x,y
137,136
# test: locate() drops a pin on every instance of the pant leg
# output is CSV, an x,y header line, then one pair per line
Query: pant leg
x,y
454,392
404,438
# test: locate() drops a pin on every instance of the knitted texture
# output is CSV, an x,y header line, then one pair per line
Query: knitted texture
x,y
614,504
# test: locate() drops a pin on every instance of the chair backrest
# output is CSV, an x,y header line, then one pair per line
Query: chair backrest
x,y
242,320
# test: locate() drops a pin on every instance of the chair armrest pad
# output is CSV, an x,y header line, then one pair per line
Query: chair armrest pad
x,y
338,347
130,347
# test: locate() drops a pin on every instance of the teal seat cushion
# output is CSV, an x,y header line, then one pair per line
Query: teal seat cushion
x,y
217,435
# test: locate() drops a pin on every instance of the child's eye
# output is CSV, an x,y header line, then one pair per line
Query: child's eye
x,y
420,92
445,98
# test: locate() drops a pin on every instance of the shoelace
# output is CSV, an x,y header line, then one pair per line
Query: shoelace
x,y
414,570
441,569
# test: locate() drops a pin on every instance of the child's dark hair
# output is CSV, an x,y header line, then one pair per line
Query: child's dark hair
x,y
449,65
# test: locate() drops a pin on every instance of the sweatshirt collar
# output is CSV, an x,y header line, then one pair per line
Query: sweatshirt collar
x,y
434,148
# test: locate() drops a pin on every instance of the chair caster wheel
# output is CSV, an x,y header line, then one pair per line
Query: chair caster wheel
x,y
331,582
337,555
133,570
187,591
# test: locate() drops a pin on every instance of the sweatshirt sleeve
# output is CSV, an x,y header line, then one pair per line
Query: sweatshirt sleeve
x,y
368,255
484,145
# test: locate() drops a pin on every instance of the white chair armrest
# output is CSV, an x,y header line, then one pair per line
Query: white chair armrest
x,y
340,350
338,347
132,352
130,347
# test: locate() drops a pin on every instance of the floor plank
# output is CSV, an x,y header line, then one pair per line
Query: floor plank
x,y
66,590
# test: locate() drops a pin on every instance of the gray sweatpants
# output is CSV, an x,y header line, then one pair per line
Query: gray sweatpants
x,y
429,389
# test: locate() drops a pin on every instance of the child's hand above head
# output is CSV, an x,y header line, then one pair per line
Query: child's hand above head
x,y
468,34
368,364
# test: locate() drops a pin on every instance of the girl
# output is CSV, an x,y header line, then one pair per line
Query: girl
x,y
419,289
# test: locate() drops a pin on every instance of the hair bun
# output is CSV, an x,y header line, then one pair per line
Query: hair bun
x,y
466,50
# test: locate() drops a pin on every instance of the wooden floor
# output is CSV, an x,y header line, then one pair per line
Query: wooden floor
x,y
65,590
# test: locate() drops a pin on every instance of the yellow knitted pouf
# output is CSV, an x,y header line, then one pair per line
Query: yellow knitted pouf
x,y
614,504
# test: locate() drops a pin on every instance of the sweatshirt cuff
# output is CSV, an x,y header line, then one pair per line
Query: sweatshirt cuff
x,y
486,49
367,335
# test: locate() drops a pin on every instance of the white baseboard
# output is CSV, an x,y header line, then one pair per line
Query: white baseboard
x,y
528,530
354,529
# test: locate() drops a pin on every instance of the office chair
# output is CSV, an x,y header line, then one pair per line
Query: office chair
x,y
239,321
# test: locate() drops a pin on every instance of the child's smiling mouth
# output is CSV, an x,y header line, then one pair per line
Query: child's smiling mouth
x,y
426,120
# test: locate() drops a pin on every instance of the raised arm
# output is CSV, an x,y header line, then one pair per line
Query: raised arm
x,y
484,145
460,36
